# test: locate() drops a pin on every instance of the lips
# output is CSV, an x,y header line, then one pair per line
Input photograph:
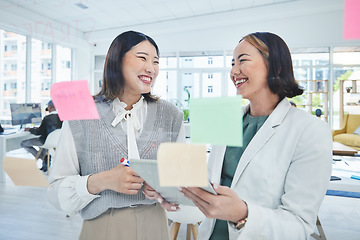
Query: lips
x,y
145,79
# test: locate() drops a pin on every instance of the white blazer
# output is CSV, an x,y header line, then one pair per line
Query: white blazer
x,y
282,175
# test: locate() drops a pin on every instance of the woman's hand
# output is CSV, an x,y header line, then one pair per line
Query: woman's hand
x,y
151,194
225,206
120,179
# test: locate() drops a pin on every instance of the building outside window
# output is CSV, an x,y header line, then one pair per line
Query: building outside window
x,y
210,89
41,71
11,75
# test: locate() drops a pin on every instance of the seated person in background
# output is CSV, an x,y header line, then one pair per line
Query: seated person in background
x,y
48,124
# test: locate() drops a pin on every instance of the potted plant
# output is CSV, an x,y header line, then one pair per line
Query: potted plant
x,y
348,89
186,111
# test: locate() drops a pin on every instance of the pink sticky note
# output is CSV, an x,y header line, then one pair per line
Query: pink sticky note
x,y
352,19
73,100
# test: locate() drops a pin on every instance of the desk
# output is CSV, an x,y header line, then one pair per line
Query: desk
x,y
341,149
344,169
8,143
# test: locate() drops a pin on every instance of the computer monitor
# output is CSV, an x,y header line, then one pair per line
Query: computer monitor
x,y
24,113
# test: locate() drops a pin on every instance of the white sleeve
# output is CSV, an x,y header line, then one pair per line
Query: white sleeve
x,y
68,190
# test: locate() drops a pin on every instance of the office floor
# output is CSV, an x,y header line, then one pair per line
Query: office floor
x,y
26,214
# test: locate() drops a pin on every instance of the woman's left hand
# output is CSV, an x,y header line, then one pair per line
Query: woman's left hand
x,y
225,206
151,194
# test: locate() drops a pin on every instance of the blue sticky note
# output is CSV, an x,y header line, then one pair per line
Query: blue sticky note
x,y
216,121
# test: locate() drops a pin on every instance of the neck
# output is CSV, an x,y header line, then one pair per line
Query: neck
x,y
130,100
264,108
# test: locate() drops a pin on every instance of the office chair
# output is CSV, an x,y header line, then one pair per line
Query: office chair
x,y
50,143
189,215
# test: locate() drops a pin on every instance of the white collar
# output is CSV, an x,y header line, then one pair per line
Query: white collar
x,y
121,113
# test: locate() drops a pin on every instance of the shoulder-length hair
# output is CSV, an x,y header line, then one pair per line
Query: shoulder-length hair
x,y
277,56
113,78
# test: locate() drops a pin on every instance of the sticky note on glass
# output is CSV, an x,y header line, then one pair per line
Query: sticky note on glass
x,y
216,121
73,100
351,19
181,164
24,172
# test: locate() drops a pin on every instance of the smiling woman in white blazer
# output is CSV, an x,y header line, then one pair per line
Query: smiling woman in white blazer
x,y
283,172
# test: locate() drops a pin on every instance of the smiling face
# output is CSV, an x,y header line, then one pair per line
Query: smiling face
x,y
140,68
249,72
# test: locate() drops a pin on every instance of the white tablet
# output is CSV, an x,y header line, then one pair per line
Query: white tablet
x,y
148,170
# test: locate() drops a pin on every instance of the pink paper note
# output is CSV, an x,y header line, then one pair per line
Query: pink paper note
x,y
73,100
352,19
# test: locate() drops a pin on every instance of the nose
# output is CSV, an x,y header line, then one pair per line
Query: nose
x,y
150,68
234,72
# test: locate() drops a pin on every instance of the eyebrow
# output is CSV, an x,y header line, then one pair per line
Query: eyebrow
x,y
243,54
146,54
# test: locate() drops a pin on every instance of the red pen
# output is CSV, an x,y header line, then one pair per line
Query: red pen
x,y
124,161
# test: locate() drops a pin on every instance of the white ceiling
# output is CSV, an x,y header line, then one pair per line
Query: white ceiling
x,y
176,25
109,14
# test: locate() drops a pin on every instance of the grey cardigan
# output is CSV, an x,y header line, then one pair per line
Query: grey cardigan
x,y
100,146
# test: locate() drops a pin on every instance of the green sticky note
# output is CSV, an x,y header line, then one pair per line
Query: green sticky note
x,y
216,121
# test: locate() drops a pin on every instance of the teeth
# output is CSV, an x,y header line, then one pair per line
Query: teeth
x,y
148,79
240,81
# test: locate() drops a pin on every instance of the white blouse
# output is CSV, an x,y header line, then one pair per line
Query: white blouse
x,y
68,190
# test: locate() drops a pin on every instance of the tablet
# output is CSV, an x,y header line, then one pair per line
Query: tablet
x,y
148,170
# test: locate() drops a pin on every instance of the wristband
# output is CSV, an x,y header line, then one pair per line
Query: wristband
x,y
241,223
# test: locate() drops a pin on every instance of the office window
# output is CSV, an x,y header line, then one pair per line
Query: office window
x,y
63,66
11,57
41,73
210,89
347,58
166,85
168,60
201,61
310,66
13,77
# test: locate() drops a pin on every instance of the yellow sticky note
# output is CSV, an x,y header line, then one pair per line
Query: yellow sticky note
x,y
181,164
24,172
